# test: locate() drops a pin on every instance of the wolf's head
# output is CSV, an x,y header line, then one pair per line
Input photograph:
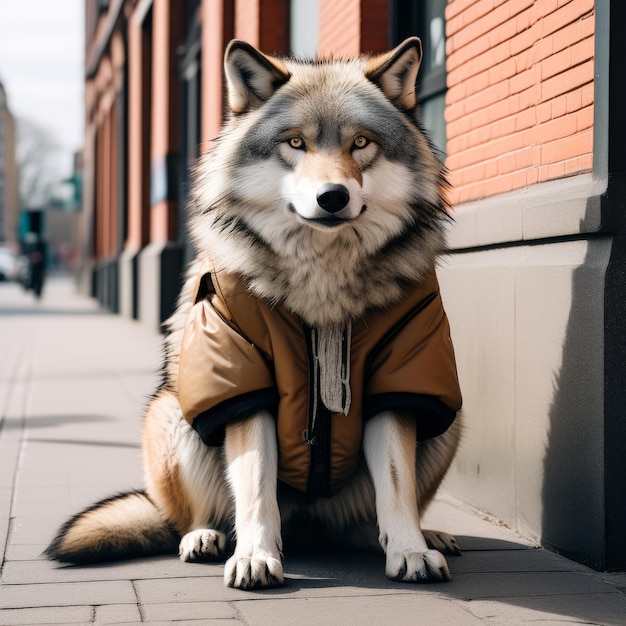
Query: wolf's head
x,y
322,185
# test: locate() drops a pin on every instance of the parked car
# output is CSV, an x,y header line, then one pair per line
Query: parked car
x,y
7,264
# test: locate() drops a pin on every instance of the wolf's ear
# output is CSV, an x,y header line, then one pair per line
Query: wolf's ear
x,y
252,76
395,72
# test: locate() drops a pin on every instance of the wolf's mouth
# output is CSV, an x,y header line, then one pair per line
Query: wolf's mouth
x,y
330,221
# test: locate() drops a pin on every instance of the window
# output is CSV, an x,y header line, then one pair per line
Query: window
x,y
303,28
190,73
426,19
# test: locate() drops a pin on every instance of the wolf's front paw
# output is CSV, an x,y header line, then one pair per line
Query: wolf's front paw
x,y
250,572
203,544
417,567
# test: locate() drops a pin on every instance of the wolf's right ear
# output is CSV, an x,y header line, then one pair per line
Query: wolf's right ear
x,y
252,76
395,72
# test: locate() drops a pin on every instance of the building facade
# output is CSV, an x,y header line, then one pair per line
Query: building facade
x,y
516,96
8,173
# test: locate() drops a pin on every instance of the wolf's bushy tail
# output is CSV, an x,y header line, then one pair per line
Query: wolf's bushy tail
x,y
122,527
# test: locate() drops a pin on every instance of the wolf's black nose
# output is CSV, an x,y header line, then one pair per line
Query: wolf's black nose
x,y
332,198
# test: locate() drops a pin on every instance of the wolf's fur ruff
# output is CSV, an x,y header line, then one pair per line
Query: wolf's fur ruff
x,y
297,130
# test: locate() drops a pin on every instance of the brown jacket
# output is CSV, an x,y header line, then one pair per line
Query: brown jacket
x,y
240,354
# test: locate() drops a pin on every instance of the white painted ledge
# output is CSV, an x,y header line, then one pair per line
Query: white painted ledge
x,y
567,206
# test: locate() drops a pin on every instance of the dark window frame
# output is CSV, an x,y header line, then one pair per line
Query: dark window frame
x,y
190,76
409,18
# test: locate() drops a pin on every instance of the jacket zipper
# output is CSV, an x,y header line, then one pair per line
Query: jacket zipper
x,y
318,432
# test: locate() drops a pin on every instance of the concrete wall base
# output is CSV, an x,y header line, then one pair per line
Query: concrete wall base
x,y
105,284
128,283
528,324
160,267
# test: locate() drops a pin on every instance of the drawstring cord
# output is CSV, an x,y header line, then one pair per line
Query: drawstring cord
x,y
331,346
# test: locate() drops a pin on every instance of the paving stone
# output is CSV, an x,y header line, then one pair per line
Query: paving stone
x,y
44,571
212,589
47,615
5,519
199,622
175,612
117,614
36,481
528,560
66,594
476,543
399,610
24,552
10,442
617,579
584,608
520,584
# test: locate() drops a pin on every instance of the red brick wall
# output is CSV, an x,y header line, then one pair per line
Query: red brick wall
x,y
167,32
139,129
217,31
349,27
374,25
339,28
520,93
103,118
263,23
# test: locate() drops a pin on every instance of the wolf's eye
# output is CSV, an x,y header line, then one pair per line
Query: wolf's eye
x,y
360,142
297,143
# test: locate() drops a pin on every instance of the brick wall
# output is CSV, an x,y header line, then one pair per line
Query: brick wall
x,y
263,23
349,27
339,28
520,93
217,30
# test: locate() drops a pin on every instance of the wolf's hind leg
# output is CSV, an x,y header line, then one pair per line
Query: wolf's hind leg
x,y
185,478
252,460
432,460
202,544
389,444
443,542
202,474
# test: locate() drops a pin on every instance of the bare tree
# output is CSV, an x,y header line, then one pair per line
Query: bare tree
x,y
37,162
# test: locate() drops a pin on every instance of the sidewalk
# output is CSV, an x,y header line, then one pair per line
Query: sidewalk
x,y
73,383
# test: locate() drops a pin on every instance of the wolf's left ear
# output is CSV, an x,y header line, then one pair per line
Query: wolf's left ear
x,y
395,72
252,76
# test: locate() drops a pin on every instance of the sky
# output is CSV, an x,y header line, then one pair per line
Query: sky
x,y
42,68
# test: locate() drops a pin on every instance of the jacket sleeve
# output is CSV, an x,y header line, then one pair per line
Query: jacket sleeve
x,y
222,376
415,369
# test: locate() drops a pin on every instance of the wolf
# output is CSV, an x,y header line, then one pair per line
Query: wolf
x,y
310,394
